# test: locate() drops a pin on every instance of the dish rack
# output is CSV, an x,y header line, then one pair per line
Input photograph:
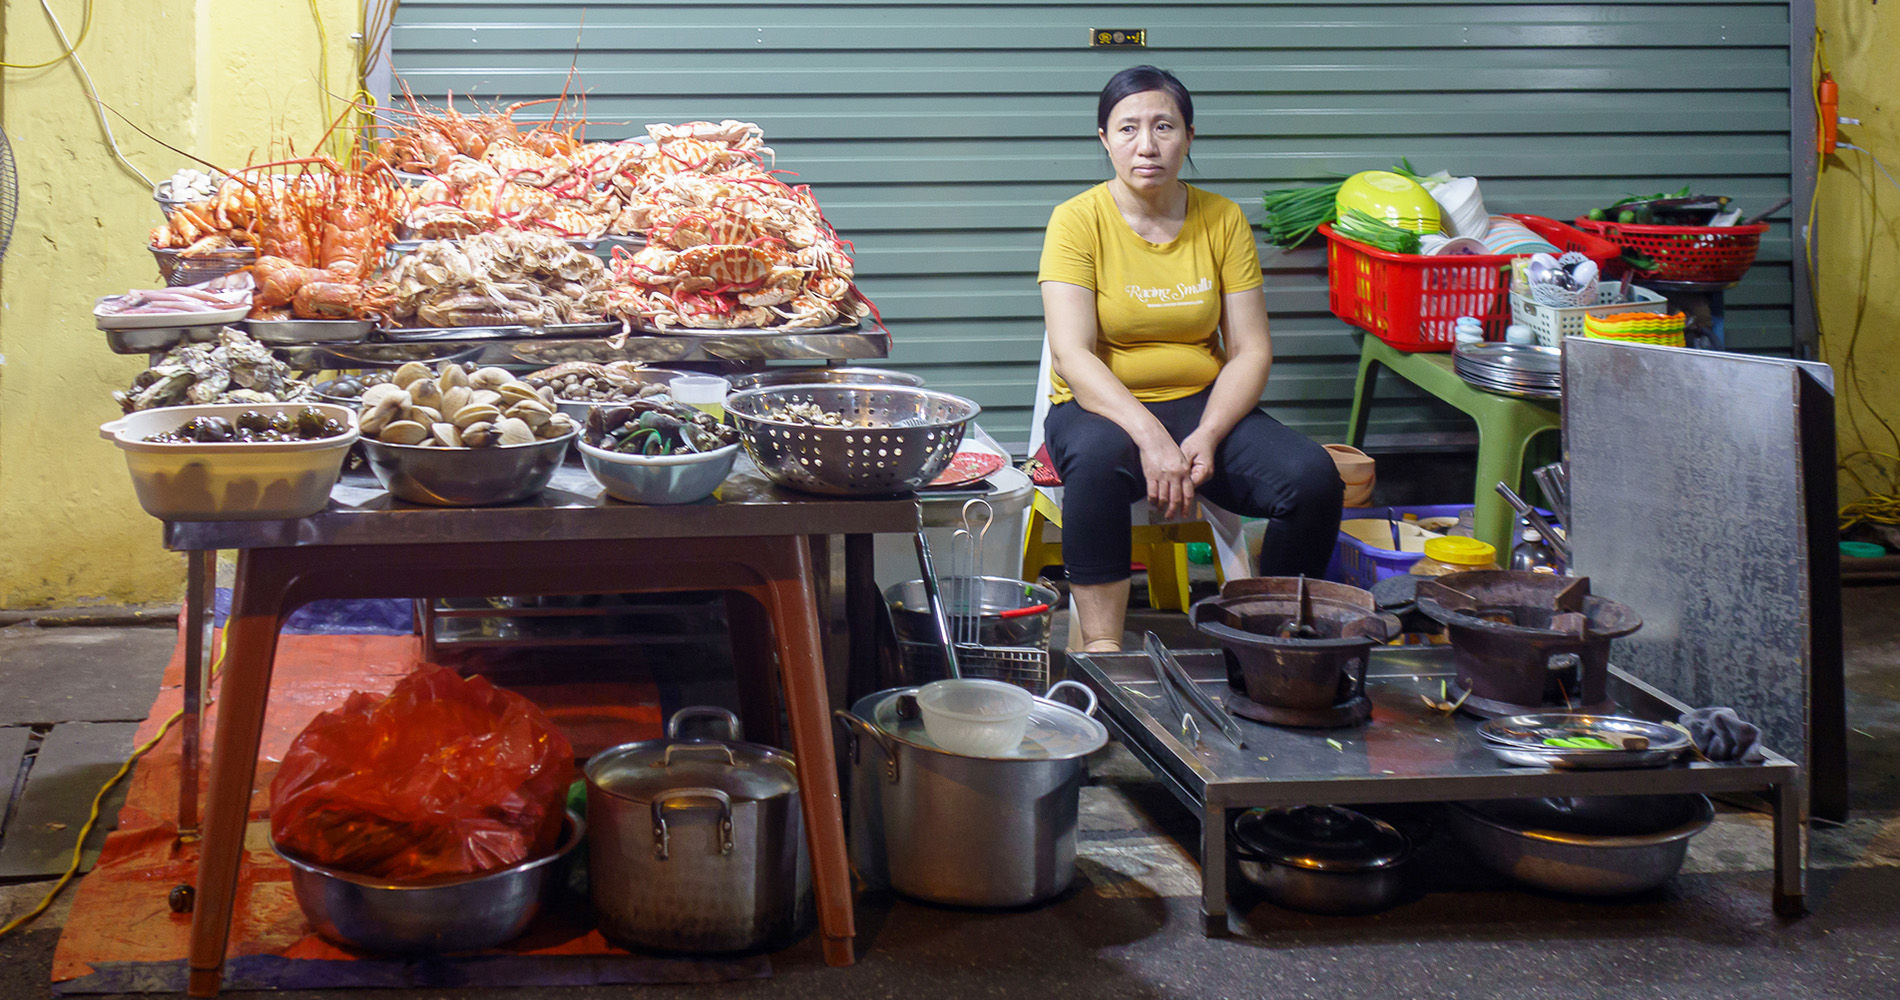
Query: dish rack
x,y
1413,302
1552,324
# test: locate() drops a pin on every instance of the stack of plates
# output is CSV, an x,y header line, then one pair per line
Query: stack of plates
x,y
1561,739
1512,369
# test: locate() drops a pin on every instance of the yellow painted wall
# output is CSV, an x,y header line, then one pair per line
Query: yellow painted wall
x,y
219,78
1857,241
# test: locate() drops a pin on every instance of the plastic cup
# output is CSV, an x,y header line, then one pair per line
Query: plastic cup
x,y
704,392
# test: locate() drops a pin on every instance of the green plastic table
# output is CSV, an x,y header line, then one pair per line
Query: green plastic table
x,y
1506,426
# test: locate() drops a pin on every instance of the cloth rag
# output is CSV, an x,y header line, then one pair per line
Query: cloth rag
x,y
1723,735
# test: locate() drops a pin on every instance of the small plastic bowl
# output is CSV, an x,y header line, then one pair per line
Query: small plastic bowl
x,y
976,718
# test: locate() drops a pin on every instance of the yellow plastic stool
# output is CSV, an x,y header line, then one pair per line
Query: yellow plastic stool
x,y
1161,547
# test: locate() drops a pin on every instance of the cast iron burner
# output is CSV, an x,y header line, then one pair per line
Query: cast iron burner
x,y
1527,642
1347,713
1296,649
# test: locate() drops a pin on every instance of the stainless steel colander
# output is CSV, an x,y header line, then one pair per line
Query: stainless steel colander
x,y
894,439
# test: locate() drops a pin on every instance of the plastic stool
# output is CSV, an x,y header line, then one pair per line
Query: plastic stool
x,y
1161,547
1506,425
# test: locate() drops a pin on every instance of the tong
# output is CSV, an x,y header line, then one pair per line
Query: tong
x,y
1170,676
1529,513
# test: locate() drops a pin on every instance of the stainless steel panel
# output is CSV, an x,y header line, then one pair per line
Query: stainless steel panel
x,y
1691,503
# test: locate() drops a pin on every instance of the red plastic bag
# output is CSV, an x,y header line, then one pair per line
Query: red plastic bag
x,y
444,776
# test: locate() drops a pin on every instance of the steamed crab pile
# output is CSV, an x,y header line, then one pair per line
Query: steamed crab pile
x,y
507,277
454,408
236,369
729,245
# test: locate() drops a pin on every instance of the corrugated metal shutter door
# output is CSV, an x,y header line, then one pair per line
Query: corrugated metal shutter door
x,y
938,136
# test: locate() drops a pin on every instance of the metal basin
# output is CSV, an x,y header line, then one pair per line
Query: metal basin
x,y
462,914
466,477
1597,846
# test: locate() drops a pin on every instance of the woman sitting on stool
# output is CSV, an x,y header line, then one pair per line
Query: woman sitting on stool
x,y
1158,335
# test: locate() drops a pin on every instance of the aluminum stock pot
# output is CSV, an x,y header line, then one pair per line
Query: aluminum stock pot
x,y
965,830
697,845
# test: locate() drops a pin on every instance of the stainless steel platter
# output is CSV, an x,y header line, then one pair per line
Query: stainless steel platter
x,y
310,331
1511,369
1527,740
414,334
595,245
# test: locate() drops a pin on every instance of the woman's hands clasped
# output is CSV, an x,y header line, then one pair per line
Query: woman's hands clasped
x,y
1174,470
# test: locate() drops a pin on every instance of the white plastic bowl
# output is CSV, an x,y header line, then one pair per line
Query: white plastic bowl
x,y
976,718
230,480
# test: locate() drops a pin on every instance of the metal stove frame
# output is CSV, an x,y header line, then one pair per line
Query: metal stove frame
x,y
1407,753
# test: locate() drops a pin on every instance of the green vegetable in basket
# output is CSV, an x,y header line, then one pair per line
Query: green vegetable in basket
x,y
1294,214
1375,232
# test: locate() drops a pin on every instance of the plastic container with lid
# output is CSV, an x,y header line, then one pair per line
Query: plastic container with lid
x,y
1454,554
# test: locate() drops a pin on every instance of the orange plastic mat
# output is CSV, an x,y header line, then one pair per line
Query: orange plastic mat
x,y
123,937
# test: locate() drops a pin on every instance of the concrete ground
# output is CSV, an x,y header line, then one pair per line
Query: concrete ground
x,y
1130,927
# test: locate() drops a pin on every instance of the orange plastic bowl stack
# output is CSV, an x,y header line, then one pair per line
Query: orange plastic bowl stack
x,y
1665,329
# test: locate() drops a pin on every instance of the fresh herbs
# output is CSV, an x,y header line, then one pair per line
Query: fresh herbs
x,y
1295,214
1375,232
1579,742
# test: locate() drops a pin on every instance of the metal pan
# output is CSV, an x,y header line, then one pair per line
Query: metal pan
x,y
310,331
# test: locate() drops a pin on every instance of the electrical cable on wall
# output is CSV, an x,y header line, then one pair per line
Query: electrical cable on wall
x,y
85,25
92,92
1877,506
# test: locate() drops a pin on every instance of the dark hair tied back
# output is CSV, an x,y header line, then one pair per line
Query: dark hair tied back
x,y
1140,80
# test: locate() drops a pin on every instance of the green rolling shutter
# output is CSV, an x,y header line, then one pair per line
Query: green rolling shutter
x,y
938,136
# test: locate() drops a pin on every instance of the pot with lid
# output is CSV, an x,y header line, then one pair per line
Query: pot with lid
x,y
961,829
1322,859
697,845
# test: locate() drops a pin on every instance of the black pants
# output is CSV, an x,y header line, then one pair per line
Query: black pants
x,y
1262,469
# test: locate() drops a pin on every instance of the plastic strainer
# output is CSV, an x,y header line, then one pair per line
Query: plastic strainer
x,y
977,718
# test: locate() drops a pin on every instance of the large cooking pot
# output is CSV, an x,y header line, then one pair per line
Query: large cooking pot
x,y
966,830
697,845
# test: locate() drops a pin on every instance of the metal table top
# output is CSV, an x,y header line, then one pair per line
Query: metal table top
x,y
1406,753
574,506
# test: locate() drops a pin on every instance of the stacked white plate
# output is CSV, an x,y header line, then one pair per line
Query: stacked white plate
x,y
1524,370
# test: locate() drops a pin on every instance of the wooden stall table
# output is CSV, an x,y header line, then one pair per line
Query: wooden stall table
x,y
751,542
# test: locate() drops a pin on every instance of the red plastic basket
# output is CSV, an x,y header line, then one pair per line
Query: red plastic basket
x,y
1413,302
1686,253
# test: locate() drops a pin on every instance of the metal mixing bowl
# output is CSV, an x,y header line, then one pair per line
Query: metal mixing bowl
x,y
894,438
659,479
1596,846
462,914
466,477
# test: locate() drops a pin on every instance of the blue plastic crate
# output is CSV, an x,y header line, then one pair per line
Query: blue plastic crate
x,y
1361,565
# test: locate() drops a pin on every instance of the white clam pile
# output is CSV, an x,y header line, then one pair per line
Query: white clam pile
x,y
454,408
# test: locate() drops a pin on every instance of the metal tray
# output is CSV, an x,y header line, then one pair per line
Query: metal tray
x,y
145,341
413,334
595,245
310,331
166,321
384,355
1518,739
641,327
545,351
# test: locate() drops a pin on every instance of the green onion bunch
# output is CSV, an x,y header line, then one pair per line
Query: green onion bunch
x,y
1376,232
1294,214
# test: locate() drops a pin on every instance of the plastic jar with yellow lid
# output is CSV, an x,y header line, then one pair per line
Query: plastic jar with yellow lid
x,y
1455,554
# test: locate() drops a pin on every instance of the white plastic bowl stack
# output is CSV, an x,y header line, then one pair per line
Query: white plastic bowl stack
x,y
976,718
1461,208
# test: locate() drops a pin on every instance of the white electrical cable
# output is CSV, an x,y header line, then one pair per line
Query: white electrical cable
x,y
1871,156
92,94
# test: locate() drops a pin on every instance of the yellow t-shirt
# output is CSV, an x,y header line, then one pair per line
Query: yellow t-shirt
x,y
1157,305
